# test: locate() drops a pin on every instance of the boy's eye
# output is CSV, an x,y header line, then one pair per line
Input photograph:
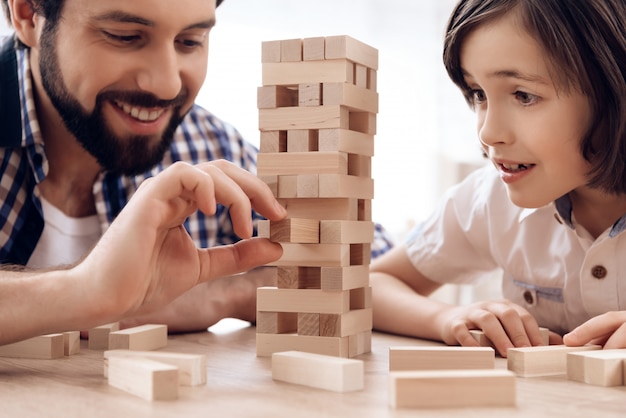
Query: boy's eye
x,y
526,98
478,96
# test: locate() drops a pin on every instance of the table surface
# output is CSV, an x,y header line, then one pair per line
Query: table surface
x,y
239,384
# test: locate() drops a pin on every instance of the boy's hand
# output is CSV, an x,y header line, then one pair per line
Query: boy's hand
x,y
608,330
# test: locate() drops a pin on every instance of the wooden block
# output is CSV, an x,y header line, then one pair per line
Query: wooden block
x,y
270,97
597,367
307,186
365,209
263,228
349,48
143,377
273,141
318,117
360,76
267,344
143,337
543,360
48,346
272,183
346,141
451,388
359,343
276,322
481,339
310,94
440,358
309,324
287,187
272,299
346,232
296,277
291,50
342,325
336,209
372,79
313,49
344,278
340,185
302,140
71,343
361,122
296,163
191,367
270,51
314,255
354,97
99,336
361,298
295,230
359,165
293,73
318,371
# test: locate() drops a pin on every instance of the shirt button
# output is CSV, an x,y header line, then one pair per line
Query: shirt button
x,y
599,272
528,297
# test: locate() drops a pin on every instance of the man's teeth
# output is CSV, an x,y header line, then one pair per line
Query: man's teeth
x,y
144,115
515,167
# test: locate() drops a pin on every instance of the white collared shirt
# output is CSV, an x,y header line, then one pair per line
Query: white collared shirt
x,y
551,266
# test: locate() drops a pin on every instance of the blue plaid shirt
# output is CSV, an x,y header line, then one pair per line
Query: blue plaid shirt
x,y
201,137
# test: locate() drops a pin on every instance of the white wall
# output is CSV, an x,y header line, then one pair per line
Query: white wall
x,y
423,119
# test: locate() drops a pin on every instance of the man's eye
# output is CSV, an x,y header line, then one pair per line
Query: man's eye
x,y
123,39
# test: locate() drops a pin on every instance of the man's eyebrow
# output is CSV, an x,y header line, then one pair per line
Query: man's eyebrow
x,y
123,17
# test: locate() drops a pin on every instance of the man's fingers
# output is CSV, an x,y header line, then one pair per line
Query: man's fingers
x,y
226,260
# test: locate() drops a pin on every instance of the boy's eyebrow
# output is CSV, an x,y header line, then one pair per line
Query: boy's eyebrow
x,y
123,17
513,74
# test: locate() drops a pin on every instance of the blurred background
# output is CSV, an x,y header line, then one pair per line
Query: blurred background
x,y
426,139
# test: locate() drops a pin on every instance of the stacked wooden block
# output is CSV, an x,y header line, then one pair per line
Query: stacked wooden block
x,y
317,117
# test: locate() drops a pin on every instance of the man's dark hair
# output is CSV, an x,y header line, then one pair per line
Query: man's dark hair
x,y
585,44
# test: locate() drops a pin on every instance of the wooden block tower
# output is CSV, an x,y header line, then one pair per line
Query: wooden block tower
x,y
317,117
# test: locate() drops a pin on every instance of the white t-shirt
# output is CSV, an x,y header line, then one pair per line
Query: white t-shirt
x,y
64,240
551,266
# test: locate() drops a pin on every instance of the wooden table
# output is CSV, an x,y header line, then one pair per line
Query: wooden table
x,y
240,385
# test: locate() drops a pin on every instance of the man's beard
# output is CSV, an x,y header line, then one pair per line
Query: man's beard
x,y
130,156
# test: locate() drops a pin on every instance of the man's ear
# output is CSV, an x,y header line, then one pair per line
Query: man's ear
x,y
26,22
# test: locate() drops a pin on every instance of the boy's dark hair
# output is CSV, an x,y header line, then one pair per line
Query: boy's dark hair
x,y
585,42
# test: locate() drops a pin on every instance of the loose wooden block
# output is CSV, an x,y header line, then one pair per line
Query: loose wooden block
x,y
440,358
148,379
597,367
347,47
543,360
354,97
143,337
481,339
314,255
346,232
346,141
48,346
192,367
451,388
313,117
99,336
318,371
339,185
294,73
71,343
267,344
295,230
263,228
272,299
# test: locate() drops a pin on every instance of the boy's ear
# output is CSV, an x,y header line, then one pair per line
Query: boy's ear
x,y
25,21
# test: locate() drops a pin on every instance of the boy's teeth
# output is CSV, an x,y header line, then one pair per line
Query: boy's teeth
x,y
515,167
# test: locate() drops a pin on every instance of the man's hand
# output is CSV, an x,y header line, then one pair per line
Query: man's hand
x,y
146,258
